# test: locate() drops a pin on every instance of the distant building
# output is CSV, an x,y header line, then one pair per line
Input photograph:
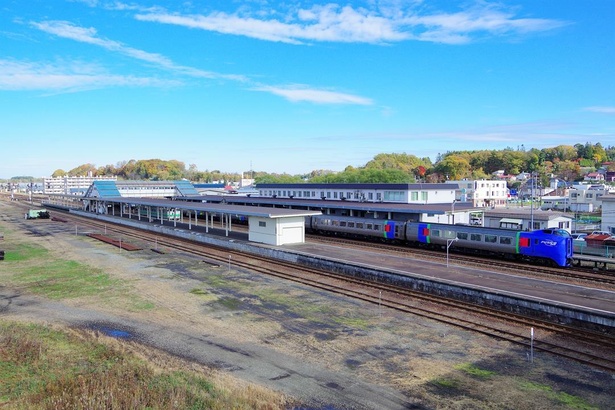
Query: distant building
x,y
481,193
594,177
526,219
587,197
71,185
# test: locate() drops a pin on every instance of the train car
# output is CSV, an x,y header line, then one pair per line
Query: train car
x,y
157,213
548,246
357,227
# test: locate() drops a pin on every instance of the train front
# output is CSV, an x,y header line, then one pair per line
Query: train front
x,y
553,246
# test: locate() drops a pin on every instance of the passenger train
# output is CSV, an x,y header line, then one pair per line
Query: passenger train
x,y
547,246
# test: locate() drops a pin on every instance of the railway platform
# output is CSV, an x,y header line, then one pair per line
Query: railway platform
x,y
598,261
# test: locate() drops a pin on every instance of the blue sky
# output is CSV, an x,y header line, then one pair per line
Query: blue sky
x,y
297,86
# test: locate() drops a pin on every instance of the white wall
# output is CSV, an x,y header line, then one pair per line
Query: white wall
x,y
277,231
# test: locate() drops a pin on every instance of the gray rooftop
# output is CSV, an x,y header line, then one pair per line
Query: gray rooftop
x,y
223,208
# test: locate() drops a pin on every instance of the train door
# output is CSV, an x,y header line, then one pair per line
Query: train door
x,y
390,230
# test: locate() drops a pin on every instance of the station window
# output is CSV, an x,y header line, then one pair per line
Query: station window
x,y
262,224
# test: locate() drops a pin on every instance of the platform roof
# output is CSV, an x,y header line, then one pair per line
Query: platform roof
x,y
336,204
224,208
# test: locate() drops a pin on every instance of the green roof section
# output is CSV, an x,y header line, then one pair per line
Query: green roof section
x,y
105,189
185,188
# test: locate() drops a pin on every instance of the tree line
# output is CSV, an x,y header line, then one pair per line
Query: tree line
x,y
567,162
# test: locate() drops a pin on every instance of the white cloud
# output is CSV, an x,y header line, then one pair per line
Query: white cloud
x,y
332,22
302,93
15,75
602,110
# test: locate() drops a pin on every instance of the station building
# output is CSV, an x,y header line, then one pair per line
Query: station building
x,y
156,203
391,193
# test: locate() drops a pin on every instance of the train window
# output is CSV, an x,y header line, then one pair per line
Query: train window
x,y
335,223
377,227
360,225
476,237
351,224
435,232
370,226
462,235
449,234
342,223
491,238
506,240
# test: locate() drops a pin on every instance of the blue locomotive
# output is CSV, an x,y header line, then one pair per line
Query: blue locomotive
x,y
547,246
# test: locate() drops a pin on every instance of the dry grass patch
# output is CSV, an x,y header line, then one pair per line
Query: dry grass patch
x,y
58,368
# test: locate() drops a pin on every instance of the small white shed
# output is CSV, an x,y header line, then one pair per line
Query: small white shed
x,y
277,231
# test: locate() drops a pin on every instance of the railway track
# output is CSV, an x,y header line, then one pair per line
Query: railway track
x,y
572,274
594,349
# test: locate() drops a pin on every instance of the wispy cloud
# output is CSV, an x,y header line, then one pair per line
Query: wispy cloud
x,y
66,77
602,110
335,23
89,35
296,93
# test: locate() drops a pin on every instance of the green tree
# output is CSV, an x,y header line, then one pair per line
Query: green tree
x,y
454,167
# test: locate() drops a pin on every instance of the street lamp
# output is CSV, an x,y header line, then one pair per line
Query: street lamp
x,y
453,211
449,242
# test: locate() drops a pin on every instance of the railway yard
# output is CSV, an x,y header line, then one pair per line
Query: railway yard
x,y
328,339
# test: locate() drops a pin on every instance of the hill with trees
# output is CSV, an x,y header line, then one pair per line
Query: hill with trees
x,y
567,162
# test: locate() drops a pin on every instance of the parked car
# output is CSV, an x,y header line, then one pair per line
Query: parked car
x,y
579,236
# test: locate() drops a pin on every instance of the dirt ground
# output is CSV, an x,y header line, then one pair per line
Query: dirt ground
x,y
329,351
